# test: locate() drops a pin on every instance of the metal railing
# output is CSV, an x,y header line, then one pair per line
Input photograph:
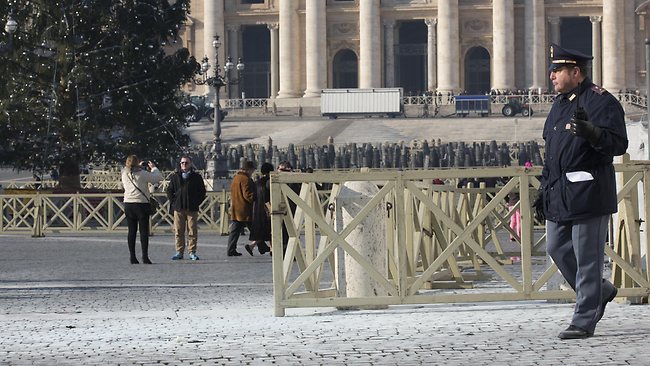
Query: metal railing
x,y
538,102
436,237
245,103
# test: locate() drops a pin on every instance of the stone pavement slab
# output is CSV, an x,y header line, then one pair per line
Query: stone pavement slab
x,y
74,300
315,130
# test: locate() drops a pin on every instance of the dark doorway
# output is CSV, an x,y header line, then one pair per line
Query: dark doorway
x,y
256,54
345,69
411,57
575,33
477,71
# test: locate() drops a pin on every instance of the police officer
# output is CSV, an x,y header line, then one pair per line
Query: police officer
x,y
584,130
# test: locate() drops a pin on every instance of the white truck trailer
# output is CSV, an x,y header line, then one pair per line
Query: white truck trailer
x,y
376,101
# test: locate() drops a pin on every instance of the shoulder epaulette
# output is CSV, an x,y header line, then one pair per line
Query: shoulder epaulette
x,y
598,89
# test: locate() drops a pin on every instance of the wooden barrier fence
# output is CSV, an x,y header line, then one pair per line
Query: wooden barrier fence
x,y
40,213
443,243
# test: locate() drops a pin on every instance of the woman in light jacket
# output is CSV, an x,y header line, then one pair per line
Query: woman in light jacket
x,y
136,180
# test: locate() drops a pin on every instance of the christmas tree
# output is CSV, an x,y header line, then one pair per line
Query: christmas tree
x,y
92,80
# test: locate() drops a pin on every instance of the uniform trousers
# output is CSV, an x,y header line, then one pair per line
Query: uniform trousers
x,y
578,248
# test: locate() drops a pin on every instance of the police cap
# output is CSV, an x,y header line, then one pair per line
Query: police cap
x,y
564,56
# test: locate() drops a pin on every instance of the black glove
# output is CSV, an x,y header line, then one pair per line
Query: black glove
x,y
580,126
538,205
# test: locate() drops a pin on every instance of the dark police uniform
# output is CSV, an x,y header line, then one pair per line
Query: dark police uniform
x,y
579,188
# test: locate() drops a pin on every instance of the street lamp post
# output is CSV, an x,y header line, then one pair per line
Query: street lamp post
x,y
220,167
10,29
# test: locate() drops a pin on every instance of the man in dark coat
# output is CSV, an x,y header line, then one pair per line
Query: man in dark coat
x,y
186,192
584,130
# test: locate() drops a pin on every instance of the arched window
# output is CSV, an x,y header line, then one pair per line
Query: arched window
x,y
345,69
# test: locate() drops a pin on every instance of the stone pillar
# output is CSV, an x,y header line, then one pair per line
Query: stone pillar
x,y
432,78
536,55
233,43
448,43
275,64
289,64
368,239
629,19
613,32
503,35
213,24
369,44
389,53
315,46
596,47
555,30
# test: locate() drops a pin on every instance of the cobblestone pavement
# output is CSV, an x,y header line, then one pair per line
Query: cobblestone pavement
x,y
74,300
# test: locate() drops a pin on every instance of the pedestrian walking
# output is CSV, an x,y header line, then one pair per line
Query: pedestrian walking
x,y
261,224
185,192
515,218
584,130
286,167
242,195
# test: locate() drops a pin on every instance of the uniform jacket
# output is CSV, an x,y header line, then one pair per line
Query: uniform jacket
x,y
185,194
141,179
242,195
575,195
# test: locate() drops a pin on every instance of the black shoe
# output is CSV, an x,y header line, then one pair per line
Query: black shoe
x,y
573,332
134,261
604,304
263,248
146,260
234,254
248,249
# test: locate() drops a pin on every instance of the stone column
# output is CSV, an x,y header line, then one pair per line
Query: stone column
x,y
213,24
289,64
315,46
432,81
369,44
596,46
536,55
275,65
503,35
448,44
234,36
554,30
613,32
389,53
368,239
629,19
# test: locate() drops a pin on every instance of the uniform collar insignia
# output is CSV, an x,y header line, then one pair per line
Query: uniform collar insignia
x,y
571,97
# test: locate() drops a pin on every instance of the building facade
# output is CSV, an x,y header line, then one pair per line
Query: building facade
x,y
294,48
